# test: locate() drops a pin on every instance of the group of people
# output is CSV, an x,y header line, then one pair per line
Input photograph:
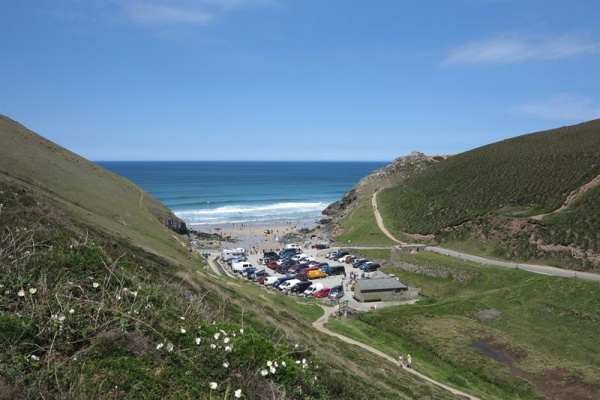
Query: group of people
x,y
408,361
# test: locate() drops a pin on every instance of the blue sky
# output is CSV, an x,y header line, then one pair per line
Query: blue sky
x,y
295,80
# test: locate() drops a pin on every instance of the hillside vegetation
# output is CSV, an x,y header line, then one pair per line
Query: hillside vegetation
x,y
98,299
533,197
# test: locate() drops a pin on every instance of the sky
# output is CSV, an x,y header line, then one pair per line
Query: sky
x,y
295,80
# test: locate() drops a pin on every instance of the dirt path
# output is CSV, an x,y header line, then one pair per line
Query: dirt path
x,y
574,195
319,325
380,220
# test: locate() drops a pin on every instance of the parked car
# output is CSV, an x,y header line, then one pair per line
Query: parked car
x,y
334,270
336,292
288,284
370,267
315,274
270,280
349,259
331,255
321,293
321,246
356,263
341,255
313,288
281,280
300,287
240,266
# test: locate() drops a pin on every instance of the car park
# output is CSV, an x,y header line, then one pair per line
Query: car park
x,y
313,288
288,284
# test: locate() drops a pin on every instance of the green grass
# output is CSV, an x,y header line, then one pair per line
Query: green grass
x,y
360,227
546,324
477,195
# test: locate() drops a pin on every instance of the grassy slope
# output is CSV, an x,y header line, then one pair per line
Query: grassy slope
x,y
95,291
513,179
548,327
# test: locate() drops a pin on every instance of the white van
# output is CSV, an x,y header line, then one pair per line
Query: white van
x,y
292,246
313,288
288,284
240,266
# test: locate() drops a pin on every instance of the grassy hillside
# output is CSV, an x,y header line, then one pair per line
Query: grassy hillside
x,y
98,299
497,195
497,333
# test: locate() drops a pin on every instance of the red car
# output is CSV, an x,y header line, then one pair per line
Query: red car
x,y
321,293
272,265
349,259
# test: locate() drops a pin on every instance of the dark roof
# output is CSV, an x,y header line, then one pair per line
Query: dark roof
x,y
380,284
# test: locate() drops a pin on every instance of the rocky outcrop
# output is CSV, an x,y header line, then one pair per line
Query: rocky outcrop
x,y
176,225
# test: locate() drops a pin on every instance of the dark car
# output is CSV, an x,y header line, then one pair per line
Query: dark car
x,y
357,263
321,246
369,266
334,270
300,287
268,254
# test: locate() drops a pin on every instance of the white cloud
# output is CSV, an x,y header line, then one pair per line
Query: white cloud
x,y
565,106
510,49
152,13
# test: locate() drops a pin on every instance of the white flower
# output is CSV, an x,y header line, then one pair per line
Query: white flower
x,y
159,346
61,318
297,361
284,364
213,346
170,347
95,284
213,385
118,297
217,335
35,358
21,293
71,311
242,331
228,349
304,361
198,340
32,290
134,294
226,340
269,363
296,345
182,330
225,365
264,372
273,370
238,393
182,318
223,332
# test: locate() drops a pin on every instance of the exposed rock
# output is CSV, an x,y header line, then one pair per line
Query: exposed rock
x,y
176,225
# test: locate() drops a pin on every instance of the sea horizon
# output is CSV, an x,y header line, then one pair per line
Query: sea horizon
x,y
254,193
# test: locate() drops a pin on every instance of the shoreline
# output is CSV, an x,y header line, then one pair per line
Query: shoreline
x,y
252,237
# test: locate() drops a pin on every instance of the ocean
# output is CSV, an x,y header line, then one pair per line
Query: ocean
x,y
255,193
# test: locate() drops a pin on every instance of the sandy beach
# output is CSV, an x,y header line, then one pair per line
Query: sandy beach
x,y
254,238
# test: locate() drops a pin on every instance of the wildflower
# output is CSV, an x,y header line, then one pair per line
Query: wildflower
x,y
213,346
225,365
118,297
228,349
242,331
134,294
170,347
21,293
284,364
264,372
273,370
296,345
217,335
32,290
182,318
182,330
223,332
198,340
238,393
226,340
61,318
35,358
297,361
159,346
213,385
71,311
269,363
95,285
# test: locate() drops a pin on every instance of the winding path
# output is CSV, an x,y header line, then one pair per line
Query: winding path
x,y
537,269
319,325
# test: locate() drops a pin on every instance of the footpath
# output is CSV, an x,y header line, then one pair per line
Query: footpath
x,y
537,269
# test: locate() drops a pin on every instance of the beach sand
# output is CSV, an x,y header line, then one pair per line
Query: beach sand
x,y
254,238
